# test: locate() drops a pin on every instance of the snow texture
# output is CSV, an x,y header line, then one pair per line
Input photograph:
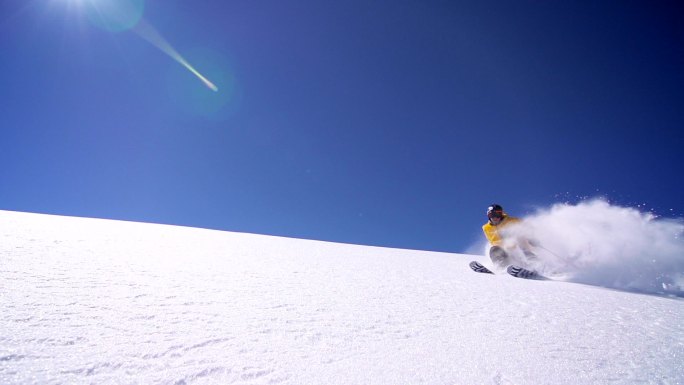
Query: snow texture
x,y
88,301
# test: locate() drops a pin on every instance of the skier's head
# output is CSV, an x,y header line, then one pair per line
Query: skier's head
x,y
495,214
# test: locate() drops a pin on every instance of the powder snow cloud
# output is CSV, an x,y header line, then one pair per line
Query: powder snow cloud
x,y
597,243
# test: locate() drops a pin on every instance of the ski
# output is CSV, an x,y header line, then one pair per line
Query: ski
x,y
479,268
521,272
516,271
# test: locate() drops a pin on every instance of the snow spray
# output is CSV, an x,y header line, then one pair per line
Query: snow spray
x,y
597,243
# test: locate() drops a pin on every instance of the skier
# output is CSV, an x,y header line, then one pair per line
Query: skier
x,y
502,244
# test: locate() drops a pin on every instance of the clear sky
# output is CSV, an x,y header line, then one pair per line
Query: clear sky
x,y
392,123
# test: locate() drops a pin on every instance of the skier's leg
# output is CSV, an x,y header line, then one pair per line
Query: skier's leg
x,y
498,256
531,256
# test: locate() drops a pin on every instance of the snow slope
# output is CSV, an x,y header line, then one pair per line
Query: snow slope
x,y
104,302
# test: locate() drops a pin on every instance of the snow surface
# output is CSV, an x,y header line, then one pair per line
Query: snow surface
x,y
88,301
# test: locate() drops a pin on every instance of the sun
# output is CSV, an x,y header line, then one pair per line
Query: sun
x,y
127,15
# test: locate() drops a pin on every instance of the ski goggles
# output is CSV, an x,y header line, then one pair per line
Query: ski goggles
x,y
495,214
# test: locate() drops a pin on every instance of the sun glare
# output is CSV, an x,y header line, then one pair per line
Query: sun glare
x,y
127,15
114,15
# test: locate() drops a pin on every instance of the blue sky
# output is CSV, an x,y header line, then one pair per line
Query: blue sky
x,y
391,123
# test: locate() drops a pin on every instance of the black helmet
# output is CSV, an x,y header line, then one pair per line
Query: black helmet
x,y
495,211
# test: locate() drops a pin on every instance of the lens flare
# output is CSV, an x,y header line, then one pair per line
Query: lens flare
x,y
151,35
123,15
115,15
190,97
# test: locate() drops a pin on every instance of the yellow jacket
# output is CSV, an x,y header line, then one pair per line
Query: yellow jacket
x,y
492,232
